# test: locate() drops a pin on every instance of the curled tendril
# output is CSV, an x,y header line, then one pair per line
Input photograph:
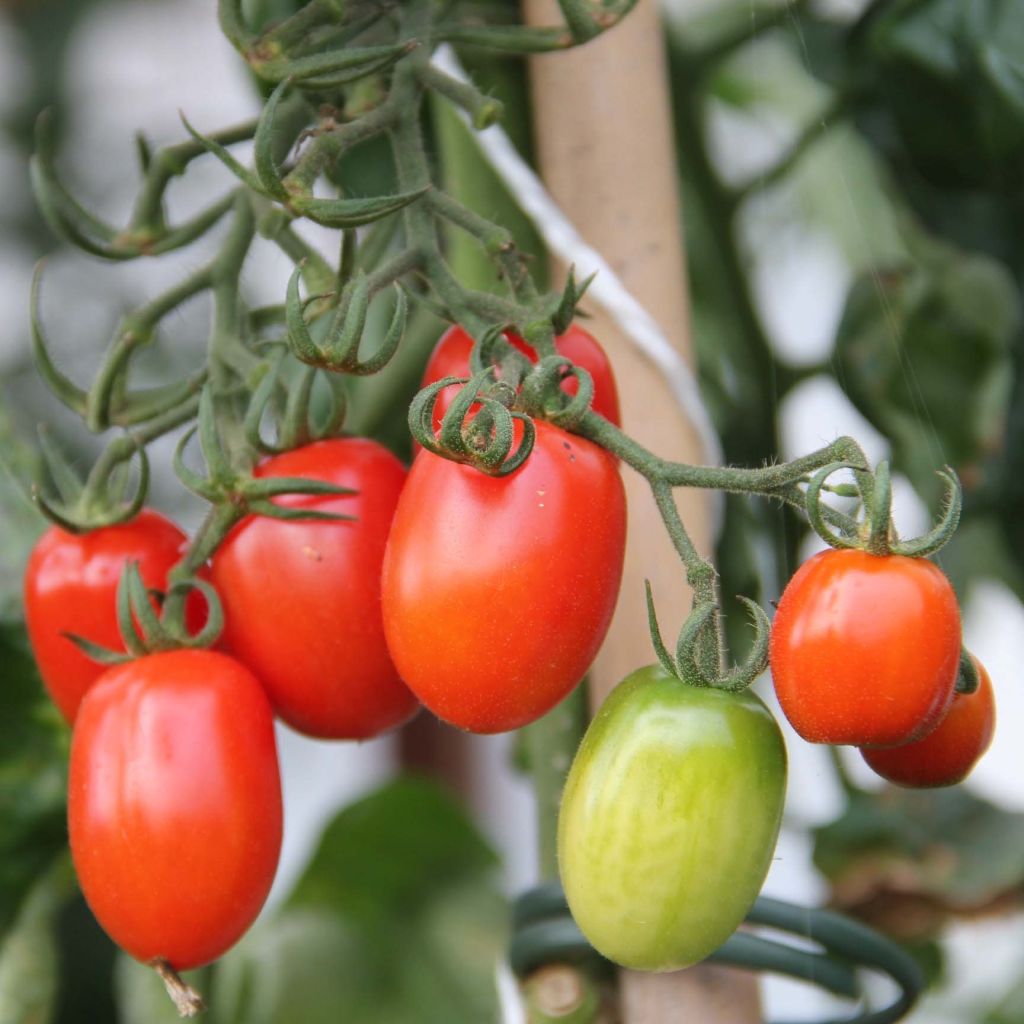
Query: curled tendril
x,y
543,391
935,538
477,428
214,625
265,181
339,351
73,222
81,507
692,634
296,424
815,514
565,312
143,630
666,659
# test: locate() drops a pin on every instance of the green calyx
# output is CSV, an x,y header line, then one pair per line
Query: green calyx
x,y
874,532
147,630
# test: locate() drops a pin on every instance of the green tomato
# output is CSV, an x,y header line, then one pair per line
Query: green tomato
x,y
669,819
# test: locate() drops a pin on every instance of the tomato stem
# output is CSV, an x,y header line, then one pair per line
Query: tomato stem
x,y
187,1001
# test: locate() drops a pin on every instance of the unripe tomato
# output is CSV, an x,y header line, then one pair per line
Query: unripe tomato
x,y
302,599
865,648
174,804
669,819
498,591
71,586
450,358
947,754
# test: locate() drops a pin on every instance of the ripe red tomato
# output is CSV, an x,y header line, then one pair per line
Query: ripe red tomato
x,y
302,599
174,804
865,648
947,754
498,591
71,585
450,358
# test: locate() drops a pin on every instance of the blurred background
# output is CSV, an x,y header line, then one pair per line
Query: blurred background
x,y
865,281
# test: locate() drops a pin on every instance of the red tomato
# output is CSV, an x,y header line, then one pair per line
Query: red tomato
x,y
71,586
497,592
450,358
174,804
865,648
947,754
302,599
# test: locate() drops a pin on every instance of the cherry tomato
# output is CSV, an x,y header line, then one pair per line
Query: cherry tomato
x,y
302,599
71,585
669,819
498,591
450,358
948,753
174,804
865,648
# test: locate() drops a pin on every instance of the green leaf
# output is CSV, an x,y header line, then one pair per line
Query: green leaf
x,y
923,352
29,955
908,860
395,919
388,854
33,752
941,70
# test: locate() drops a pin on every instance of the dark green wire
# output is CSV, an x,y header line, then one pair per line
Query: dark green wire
x,y
544,932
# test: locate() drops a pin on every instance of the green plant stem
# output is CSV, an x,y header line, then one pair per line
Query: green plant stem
x,y
551,743
169,163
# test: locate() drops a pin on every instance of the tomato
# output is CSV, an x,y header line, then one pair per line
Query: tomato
x,y
498,591
302,599
865,648
174,804
669,819
450,358
948,753
71,585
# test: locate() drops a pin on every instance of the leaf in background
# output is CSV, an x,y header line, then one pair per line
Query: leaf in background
x,y
906,861
28,952
21,521
923,354
946,70
33,753
396,919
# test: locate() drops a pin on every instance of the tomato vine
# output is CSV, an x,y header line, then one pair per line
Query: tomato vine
x,y
336,77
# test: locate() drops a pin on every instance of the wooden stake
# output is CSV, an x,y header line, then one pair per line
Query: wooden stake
x,y
606,152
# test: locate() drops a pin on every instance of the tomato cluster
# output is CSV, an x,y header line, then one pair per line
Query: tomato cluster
x,y
866,650
483,598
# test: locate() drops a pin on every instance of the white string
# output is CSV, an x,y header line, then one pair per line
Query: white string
x,y
562,239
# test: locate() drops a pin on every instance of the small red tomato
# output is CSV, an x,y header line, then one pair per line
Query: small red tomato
x,y
71,586
498,591
947,754
865,648
302,599
174,804
450,358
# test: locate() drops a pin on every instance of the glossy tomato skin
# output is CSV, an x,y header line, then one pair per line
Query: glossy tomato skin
x,y
174,804
70,586
450,358
302,599
948,753
497,592
864,648
669,819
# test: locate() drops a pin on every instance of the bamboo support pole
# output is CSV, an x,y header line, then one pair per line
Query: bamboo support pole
x,y
606,152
